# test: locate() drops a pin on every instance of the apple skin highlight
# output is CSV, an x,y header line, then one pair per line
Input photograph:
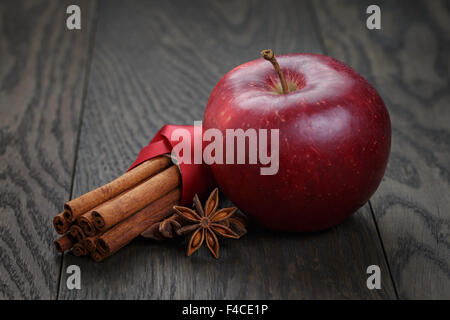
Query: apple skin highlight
x,y
335,137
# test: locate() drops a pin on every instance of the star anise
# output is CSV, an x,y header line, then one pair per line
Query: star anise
x,y
209,222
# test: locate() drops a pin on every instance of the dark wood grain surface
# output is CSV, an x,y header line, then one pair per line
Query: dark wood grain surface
x,y
77,106
408,62
156,63
42,78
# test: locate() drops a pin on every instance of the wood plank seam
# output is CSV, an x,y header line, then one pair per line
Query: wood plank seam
x,y
315,20
80,125
384,251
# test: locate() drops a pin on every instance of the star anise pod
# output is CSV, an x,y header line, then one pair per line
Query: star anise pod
x,y
162,230
207,223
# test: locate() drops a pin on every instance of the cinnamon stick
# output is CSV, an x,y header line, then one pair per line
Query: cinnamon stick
x,y
79,250
64,243
100,206
91,242
120,235
137,198
60,224
97,256
86,223
77,233
78,206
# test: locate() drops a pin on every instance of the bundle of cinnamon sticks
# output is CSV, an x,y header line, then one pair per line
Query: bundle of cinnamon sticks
x,y
104,220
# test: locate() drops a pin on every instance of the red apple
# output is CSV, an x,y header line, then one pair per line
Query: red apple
x,y
334,140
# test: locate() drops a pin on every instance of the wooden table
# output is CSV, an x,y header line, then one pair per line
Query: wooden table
x,y
77,105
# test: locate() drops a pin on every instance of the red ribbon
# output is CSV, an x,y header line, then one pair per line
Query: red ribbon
x,y
196,178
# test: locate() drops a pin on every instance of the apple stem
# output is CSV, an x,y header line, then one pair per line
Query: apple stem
x,y
270,56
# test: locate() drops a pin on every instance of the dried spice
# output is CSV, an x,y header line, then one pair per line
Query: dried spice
x,y
208,222
104,220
